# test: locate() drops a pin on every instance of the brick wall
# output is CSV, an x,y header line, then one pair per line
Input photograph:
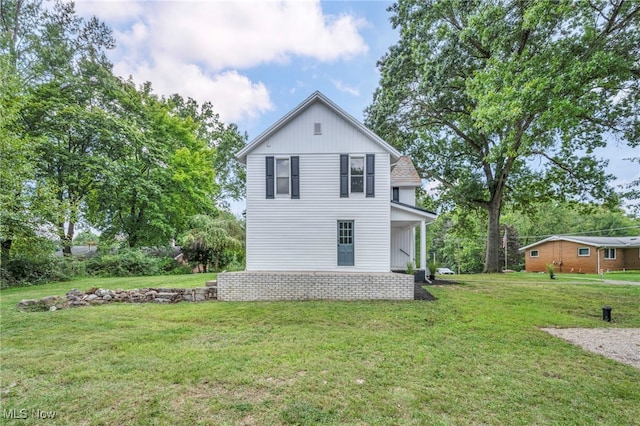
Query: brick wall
x,y
246,286
564,254
632,258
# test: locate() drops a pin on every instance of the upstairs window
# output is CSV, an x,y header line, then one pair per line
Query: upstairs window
x,y
357,174
282,176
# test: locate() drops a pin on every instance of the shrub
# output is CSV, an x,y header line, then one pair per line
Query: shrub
x,y
23,270
133,262
124,263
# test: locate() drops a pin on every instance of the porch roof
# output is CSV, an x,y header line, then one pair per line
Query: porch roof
x,y
405,214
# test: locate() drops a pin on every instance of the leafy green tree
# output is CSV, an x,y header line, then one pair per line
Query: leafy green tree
x,y
23,203
456,237
16,168
61,62
209,237
565,218
158,178
505,101
86,238
631,191
225,138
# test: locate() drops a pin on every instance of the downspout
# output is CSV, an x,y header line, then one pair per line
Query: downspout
x,y
598,253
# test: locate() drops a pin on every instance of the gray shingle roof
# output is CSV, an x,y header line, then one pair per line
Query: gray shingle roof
x,y
611,242
404,174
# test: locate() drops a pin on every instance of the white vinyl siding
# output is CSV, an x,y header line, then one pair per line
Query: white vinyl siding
x,y
406,195
402,248
338,136
285,234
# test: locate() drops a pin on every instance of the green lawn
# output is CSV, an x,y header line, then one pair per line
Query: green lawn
x,y
474,356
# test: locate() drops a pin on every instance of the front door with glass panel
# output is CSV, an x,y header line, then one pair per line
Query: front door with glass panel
x,y
345,243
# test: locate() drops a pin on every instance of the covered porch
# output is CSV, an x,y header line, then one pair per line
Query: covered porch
x,y
405,219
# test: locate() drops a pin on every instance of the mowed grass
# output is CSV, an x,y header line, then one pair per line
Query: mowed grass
x,y
474,356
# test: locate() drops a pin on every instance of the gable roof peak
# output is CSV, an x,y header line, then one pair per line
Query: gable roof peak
x,y
316,96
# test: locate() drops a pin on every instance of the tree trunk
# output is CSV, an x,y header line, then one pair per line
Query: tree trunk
x,y
492,256
6,250
66,238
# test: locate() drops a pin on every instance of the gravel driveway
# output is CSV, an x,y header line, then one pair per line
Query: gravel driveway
x,y
620,344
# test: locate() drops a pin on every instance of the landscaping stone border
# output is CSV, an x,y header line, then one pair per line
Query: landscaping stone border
x,y
98,296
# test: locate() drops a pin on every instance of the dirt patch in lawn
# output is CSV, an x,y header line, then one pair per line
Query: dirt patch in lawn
x,y
620,344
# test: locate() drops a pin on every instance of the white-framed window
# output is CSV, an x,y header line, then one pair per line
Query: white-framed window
x,y
534,253
356,174
584,251
609,253
282,176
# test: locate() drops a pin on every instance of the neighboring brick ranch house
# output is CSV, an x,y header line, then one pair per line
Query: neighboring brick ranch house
x,y
330,211
583,254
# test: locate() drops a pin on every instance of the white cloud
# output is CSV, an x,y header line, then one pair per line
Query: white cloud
x,y
341,86
195,48
245,34
234,96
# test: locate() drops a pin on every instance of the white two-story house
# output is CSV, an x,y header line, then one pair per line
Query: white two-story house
x,y
330,210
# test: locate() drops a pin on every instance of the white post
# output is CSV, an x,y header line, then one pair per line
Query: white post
x,y
423,246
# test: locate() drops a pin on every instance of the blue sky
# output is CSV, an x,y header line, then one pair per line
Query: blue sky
x,y
256,60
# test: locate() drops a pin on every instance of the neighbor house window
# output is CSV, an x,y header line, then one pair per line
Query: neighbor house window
x,y
610,253
534,253
282,176
584,251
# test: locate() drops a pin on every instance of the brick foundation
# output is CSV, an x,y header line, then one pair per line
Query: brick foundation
x,y
270,285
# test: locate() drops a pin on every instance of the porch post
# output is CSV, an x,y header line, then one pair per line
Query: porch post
x,y
423,246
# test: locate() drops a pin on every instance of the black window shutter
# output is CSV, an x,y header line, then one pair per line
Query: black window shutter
x,y
371,175
295,177
344,175
270,177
